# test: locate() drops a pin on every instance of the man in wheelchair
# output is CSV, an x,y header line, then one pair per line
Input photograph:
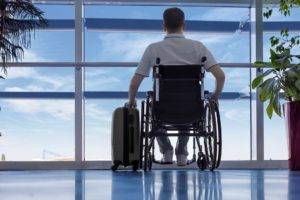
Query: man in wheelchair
x,y
175,50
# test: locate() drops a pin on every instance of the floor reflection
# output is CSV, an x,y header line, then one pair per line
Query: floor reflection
x,y
158,185
182,185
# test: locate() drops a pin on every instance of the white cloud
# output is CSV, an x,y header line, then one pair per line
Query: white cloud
x,y
31,56
222,14
209,38
97,113
236,114
63,110
99,79
129,46
245,91
52,82
14,89
21,72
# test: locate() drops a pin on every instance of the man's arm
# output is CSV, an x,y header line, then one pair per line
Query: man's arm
x,y
133,88
219,75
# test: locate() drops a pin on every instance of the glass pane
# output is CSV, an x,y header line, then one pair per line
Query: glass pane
x,y
226,48
37,130
112,79
118,79
275,138
51,46
98,115
277,16
237,80
57,11
39,79
130,46
117,46
156,12
235,118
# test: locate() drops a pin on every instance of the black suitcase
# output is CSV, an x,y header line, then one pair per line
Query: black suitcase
x,y
125,138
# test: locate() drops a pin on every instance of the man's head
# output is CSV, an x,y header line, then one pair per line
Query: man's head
x,y
174,20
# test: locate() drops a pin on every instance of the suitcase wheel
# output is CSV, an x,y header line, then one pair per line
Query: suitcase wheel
x,y
115,166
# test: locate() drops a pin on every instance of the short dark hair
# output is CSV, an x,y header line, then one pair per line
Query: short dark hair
x,y
173,18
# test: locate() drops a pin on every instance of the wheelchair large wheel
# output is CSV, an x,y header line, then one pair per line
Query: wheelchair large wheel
x,y
212,139
218,135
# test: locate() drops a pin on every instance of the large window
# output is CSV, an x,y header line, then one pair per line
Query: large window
x,y
37,115
37,130
275,131
39,98
119,45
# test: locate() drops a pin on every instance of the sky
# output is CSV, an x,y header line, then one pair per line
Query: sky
x,y
44,129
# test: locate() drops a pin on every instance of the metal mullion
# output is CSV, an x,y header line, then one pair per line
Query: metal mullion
x,y
104,64
257,55
215,3
79,83
106,164
97,95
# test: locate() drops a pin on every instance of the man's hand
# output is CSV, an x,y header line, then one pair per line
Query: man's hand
x,y
131,104
219,75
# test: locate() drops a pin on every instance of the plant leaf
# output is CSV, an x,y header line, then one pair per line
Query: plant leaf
x,y
261,64
266,89
270,109
276,104
258,80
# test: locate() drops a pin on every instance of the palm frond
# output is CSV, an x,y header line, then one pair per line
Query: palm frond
x,y
18,20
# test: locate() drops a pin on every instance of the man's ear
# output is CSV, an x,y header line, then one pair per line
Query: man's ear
x,y
183,26
164,27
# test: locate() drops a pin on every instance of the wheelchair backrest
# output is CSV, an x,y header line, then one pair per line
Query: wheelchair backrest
x,y
178,94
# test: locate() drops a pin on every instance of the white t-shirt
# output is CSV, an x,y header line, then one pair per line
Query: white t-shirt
x,y
175,49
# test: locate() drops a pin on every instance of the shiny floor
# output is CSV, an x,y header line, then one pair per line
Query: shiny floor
x,y
158,184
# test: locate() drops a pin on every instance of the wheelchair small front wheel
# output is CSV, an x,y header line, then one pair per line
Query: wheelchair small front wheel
x,y
148,162
201,162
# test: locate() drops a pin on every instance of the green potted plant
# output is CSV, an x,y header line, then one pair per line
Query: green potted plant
x,y
281,78
18,18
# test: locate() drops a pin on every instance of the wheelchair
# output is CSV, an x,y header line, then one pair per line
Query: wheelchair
x,y
178,102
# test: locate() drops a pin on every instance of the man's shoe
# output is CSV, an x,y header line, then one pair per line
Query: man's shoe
x,y
181,160
167,157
